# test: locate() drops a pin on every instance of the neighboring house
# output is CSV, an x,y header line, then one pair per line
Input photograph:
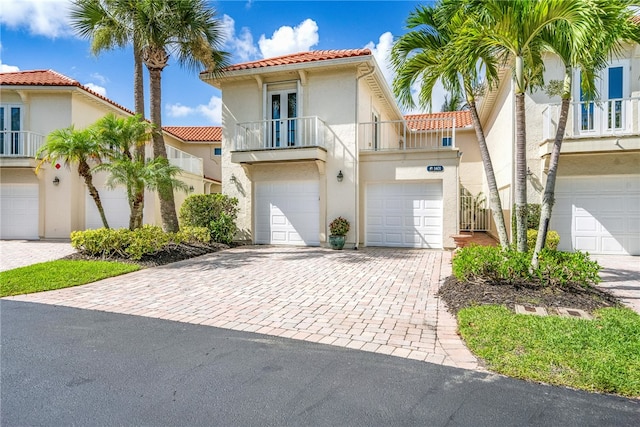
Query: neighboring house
x,y
311,136
597,200
55,202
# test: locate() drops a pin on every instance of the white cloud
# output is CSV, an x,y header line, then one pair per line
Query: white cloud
x,y
241,46
4,68
100,78
97,89
211,111
287,40
47,18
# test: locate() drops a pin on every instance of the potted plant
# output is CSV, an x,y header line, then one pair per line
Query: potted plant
x,y
338,229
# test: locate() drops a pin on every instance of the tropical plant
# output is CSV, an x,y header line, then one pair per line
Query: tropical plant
x,y
610,21
75,146
339,226
216,212
431,52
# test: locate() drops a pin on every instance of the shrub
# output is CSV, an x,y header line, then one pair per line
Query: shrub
x,y
216,212
102,242
495,265
339,227
189,234
553,239
148,240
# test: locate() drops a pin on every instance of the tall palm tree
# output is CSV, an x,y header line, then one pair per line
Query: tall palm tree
x,y
120,136
430,53
586,48
75,146
190,31
512,30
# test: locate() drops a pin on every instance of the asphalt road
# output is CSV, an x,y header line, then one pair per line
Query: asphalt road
x,y
64,366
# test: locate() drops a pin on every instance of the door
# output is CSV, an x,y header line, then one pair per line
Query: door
x,y
404,215
283,110
287,213
11,125
19,211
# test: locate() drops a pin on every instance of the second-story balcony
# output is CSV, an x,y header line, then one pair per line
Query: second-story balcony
x,y
185,161
20,143
411,134
292,139
593,126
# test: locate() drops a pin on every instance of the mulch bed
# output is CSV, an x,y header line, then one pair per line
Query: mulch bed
x,y
459,295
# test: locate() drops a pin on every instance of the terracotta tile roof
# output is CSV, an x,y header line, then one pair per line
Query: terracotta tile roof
x,y
427,122
299,58
635,19
204,134
49,78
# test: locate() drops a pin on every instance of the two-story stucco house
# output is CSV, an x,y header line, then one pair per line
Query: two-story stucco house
x,y
597,200
312,136
55,201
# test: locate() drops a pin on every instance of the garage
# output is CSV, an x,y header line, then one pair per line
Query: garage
x,y
116,208
19,211
404,215
287,213
599,215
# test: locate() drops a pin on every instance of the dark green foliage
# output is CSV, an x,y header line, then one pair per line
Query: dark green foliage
x,y
553,239
124,243
216,212
494,265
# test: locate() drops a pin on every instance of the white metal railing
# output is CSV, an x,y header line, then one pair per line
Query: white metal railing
x,y
474,215
184,161
421,133
595,118
281,133
20,143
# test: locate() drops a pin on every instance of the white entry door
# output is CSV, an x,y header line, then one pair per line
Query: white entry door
x,y
10,126
19,211
287,213
600,215
283,110
404,215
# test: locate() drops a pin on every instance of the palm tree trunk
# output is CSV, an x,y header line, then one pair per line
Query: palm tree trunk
x,y
137,200
136,205
84,172
548,199
494,196
165,190
521,175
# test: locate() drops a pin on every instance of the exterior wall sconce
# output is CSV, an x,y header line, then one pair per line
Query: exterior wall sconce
x,y
191,189
56,181
340,176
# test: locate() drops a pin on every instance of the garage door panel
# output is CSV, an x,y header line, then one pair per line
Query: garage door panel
x,y
115,205
610,245
19,207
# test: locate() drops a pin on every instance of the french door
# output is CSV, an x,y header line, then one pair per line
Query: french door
x,y
608,115
10,127
283,110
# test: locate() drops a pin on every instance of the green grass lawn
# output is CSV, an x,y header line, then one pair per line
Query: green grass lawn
x,y
58,274
601,355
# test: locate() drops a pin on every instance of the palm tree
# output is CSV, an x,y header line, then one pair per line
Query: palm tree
x,y
586,49
189,30
74,146
121,136
430,53
513,30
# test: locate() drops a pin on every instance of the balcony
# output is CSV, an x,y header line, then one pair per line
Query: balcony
x,y
594,126
294,139
20,143
185,161
404,135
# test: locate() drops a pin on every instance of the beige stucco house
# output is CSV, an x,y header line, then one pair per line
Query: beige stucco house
x,y
55,201
597,207
312,136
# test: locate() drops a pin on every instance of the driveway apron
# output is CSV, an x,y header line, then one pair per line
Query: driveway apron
x,y
381,300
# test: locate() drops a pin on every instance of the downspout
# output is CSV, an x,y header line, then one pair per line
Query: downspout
x,y
357,158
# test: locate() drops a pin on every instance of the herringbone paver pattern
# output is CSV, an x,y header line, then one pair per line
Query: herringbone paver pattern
x,y
374,299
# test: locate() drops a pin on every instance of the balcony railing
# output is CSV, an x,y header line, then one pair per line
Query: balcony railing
x,y
280,134
413,134
20,143
184,161
593,119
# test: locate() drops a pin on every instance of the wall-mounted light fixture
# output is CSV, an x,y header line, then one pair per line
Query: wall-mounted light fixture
x,y
529,173
56,181
340,176
191,189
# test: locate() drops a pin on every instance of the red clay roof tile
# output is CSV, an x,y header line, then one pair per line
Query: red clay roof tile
x,y
300,57
424,122
204,134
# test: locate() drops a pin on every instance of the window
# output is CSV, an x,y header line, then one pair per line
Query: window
x,y
447,141
217,151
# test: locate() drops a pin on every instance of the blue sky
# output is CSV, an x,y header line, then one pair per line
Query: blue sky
x,y
35,34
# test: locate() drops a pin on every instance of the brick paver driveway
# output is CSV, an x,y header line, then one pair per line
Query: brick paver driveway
x,y
373,299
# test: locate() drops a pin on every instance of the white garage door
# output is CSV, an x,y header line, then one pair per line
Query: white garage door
x,y
600,215
404,215
287,213
19,211
116,208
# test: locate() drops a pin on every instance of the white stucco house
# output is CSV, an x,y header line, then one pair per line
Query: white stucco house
x,y
312,136
55,201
